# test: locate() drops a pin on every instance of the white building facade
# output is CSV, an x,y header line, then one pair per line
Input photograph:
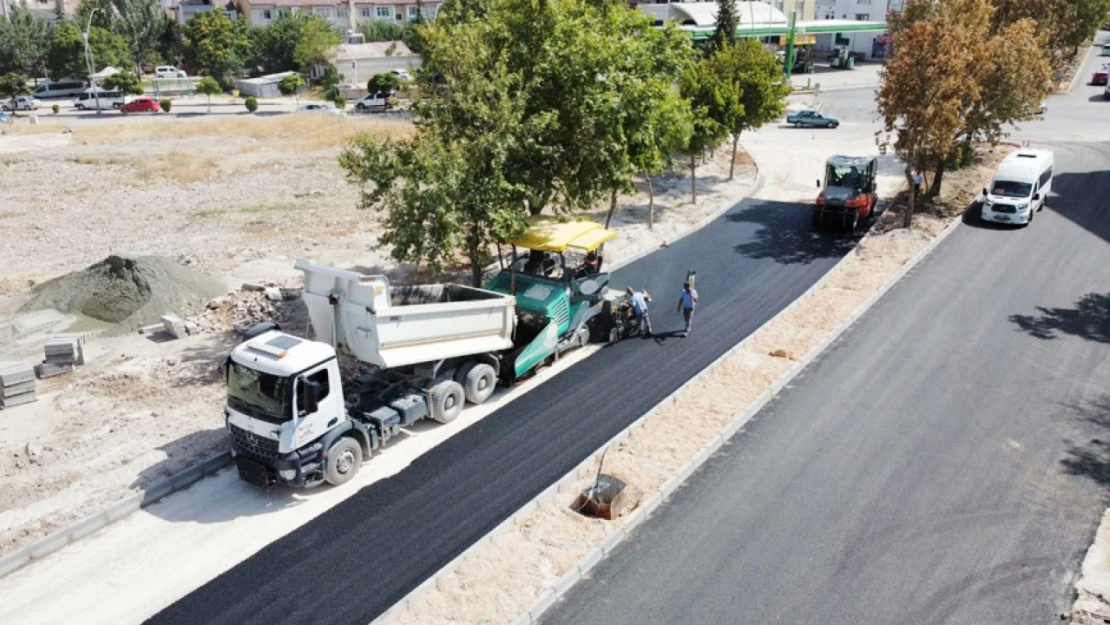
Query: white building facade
x,y
870,44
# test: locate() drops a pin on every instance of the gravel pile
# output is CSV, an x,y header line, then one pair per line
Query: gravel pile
x,y
129,292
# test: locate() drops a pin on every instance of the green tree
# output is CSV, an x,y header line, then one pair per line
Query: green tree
x,y
142,23
274,44
712,96
24,41
460,205
726,23
318,38
289,86
67,51
758,89
380,30
171,45
12,86
124,82
217,46
209,86
574,65
385,83
329,81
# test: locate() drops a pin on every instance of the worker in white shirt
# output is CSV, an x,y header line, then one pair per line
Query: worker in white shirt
x,y
639,302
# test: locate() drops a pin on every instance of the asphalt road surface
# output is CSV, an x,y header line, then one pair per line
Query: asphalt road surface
x,y
944,462
362,556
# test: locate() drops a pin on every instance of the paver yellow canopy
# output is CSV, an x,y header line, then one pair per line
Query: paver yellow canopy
x,y
547,234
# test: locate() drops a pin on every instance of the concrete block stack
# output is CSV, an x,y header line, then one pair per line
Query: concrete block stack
x,y
62,354
17,384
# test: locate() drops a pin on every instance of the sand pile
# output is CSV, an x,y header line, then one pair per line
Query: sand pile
x,y
128,291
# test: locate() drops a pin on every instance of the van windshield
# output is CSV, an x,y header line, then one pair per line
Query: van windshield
x,y
1009,188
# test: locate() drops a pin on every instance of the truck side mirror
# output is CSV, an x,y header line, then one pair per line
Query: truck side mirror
x,y
985,193
225,366
818,184
1036,197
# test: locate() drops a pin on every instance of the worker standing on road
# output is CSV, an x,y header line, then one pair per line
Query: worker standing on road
x,y
918,180
639,302
687,301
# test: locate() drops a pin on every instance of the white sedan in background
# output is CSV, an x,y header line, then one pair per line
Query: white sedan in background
x,y
22,103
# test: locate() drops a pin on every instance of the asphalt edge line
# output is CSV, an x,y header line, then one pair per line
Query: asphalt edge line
x,y
643,512
638,515
563,585
111,513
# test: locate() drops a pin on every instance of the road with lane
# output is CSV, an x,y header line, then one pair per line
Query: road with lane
x,y
353,562
944,462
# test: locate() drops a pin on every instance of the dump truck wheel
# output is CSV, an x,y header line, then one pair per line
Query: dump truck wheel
x,y
344,460
447,399
478,381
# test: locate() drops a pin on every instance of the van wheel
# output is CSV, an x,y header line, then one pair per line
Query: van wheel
x,y
447,399
478,380
344,460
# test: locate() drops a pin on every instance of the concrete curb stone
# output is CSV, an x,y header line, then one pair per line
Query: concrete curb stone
x,y
110,514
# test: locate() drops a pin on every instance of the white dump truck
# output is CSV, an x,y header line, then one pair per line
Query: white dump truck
x,y
293,419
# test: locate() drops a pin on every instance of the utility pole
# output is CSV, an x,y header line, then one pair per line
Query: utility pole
x,y
89,60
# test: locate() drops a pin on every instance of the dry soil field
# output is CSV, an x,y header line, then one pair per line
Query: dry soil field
x,y
211,204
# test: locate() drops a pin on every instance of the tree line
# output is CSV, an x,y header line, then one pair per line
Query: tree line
x,y
523,108
130,34
962,71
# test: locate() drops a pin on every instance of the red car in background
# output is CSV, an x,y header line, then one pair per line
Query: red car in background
x,y
1101,77
141,105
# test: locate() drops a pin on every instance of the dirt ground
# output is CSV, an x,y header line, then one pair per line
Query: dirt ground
x,y
553,539
237,199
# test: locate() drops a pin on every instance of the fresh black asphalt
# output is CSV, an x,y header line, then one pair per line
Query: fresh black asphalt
x,y
356,560
945,462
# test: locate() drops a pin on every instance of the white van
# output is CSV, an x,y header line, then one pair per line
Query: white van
x,y
87,101
1020,187
168,71
64,88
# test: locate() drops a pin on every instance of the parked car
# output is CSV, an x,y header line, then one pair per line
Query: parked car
x,y
22,103
1039,109
812,119
1106,92
402,73
169,71
323,107
1100,77
141,105
1106,49
373,101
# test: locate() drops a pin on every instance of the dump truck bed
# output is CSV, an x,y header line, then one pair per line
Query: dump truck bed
x,y
392,327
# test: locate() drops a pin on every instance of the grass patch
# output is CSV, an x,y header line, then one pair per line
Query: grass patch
x,y
294,132
255,209
175,167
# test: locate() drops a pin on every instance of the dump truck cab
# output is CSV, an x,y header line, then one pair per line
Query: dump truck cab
x,y
554,270
848,196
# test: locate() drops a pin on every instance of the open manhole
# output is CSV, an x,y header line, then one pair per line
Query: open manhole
x,y
604,498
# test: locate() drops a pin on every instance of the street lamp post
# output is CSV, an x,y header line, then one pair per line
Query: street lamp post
x,y
89,60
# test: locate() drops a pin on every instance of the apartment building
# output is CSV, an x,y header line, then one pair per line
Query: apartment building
x,y
344,14
859,11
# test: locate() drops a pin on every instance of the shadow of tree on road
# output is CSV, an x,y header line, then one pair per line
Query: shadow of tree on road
x,y
786,235
1088,319
1092,458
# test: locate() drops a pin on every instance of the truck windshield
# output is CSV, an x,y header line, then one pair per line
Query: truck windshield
x,y
1009,188
260,395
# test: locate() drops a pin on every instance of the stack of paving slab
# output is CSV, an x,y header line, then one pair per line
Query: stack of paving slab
x,y
62,354
17,384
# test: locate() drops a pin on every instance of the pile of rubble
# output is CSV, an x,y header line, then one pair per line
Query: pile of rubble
x,y
239,310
